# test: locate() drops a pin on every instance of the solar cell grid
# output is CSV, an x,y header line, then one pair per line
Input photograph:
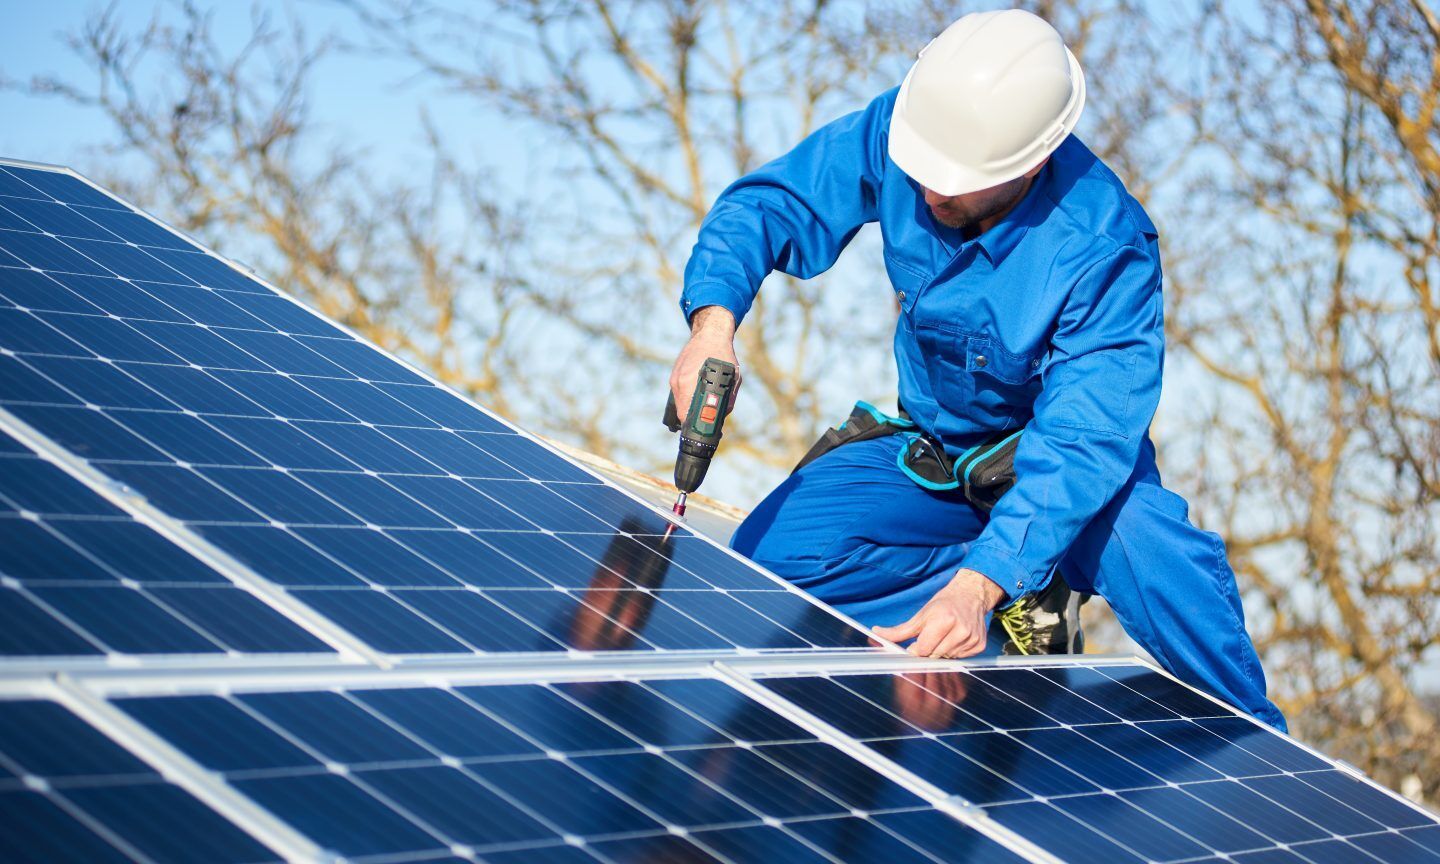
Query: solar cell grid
x,y
1113,763
68,793
681,769
79,577
245,416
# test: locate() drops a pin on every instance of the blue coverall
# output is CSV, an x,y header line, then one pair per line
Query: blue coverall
x,y
1051,320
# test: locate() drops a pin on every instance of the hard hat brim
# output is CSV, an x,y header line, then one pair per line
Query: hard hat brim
x,y
930,167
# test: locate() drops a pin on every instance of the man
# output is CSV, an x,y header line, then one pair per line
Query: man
x,y
1028,282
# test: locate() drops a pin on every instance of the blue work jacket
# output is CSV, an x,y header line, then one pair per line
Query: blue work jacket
x,y
1051,320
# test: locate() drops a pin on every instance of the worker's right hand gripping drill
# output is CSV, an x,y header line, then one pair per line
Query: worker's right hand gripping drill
x,y
712,334
701,426
709,392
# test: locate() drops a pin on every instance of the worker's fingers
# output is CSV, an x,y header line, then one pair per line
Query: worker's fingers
x,y
900,632
964,641
938,625
954,642
685,374
971,648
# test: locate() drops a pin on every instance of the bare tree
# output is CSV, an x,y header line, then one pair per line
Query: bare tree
x,y
652,108
1317,329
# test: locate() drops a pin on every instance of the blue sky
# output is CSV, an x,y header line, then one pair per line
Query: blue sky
x,y
356,98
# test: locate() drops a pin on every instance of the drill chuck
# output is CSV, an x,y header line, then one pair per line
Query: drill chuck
x,y
691,464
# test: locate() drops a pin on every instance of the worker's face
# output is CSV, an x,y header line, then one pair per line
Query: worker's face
x,y
970,210
973,208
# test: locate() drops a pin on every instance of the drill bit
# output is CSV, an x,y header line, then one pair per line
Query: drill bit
x,y
678,510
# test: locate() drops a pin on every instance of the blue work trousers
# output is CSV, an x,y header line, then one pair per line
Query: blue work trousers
x,y
851,529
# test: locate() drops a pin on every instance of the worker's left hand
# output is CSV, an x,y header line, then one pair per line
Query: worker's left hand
x,y
952,624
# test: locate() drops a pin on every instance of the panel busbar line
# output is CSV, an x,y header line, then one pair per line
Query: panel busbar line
x,y
1117,765
405,514
685,770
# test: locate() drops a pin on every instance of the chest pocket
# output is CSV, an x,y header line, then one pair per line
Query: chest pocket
x,y
982,382
907,281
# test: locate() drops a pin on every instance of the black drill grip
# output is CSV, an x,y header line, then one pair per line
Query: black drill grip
x,y
672,417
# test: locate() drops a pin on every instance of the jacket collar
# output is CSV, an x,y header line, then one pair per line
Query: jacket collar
x,y
1005,235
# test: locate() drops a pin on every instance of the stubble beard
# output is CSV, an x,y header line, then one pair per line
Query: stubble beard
x,y
968,218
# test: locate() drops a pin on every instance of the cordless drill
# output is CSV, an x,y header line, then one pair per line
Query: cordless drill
x,y
700,433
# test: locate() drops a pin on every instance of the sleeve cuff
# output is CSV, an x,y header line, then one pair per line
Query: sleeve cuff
x,y
702,294
999,567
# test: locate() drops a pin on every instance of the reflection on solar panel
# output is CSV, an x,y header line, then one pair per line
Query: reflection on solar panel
x,y
312,606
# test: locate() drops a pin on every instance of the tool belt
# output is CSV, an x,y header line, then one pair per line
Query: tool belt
x,y
983,472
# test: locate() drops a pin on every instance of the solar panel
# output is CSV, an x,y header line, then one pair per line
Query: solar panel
x,y
219,513
1116,763
624,770
68,793
79,576
404,514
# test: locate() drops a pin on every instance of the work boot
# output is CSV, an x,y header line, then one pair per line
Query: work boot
x,y
1047,622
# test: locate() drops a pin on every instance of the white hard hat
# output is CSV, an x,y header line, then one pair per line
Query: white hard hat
x,y
987,101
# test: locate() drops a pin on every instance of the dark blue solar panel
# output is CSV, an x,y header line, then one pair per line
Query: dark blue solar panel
x,y
119,298
226,405
335,727
54,185
68,793
125,620
24,332
113,339
79,577
368,447
1111,764
446,723
204,306
1045,824
35,829
53,218
204,270
383,621
376,557
29,289
761,843
51,254
165,823
620,768
947,839
134,228
89,434
10,221
481,622
876,840
338,814
359,359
